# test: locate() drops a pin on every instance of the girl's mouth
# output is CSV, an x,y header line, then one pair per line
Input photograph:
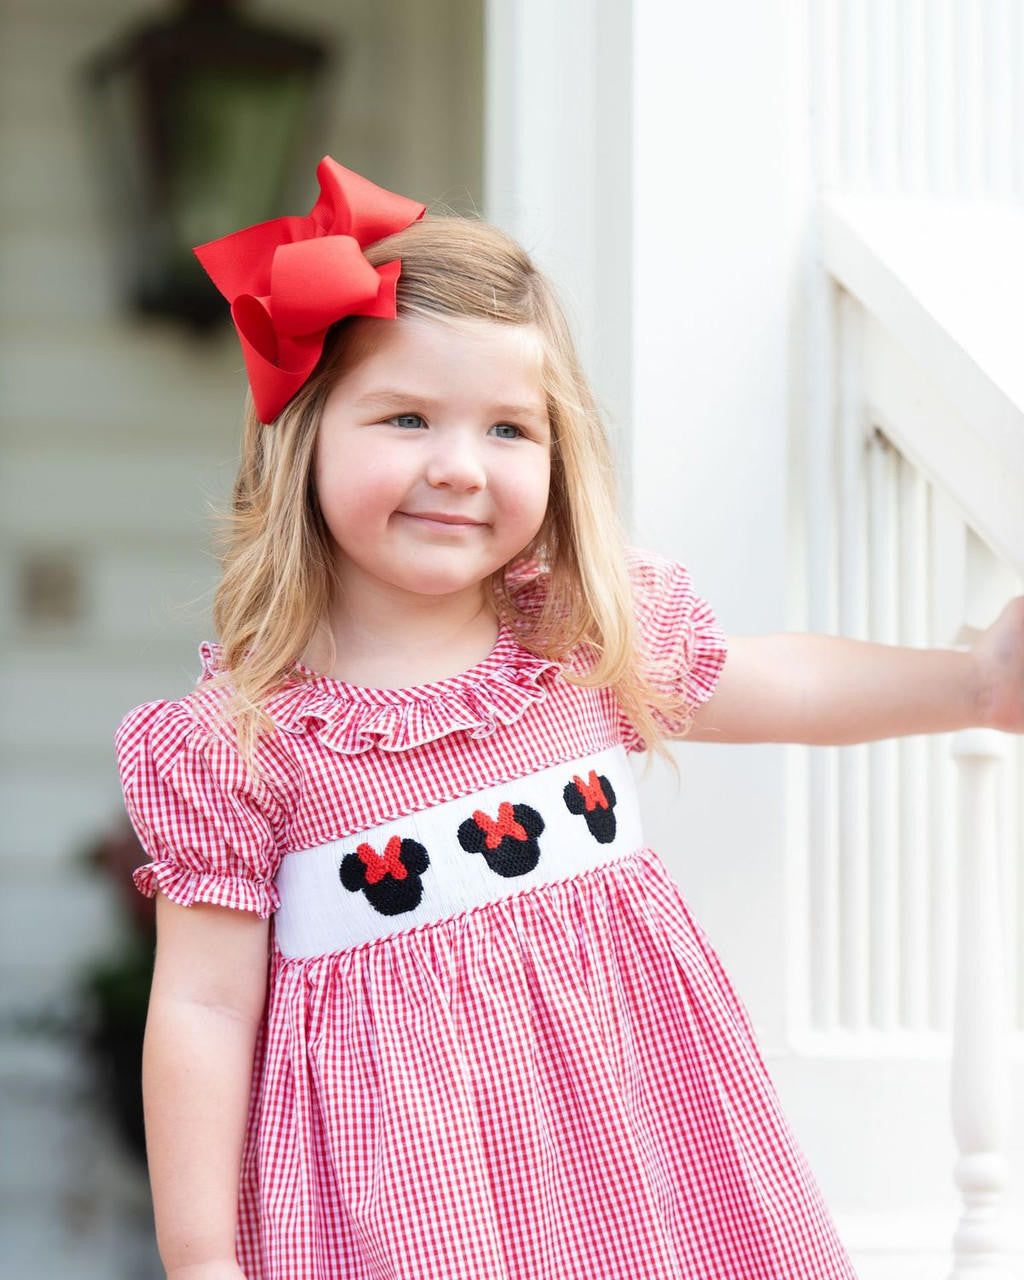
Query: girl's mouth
x,y
448,526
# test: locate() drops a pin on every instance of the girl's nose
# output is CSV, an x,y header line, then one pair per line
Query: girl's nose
x,y
456,462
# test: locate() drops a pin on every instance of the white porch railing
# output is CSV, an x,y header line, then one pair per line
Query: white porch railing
x,y
918,898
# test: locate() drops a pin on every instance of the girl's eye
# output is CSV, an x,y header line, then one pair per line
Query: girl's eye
x,y
416,417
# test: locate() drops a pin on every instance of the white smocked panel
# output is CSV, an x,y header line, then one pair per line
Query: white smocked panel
x,y
484,846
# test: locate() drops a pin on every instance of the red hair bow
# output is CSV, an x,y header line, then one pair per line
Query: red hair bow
x,y
288,280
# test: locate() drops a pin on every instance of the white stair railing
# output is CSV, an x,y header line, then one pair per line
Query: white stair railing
x,y
979,1075
917,410
929,519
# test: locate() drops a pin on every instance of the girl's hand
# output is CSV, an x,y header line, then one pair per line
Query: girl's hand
x,y
999,651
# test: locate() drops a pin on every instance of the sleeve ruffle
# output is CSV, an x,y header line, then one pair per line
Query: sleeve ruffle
x,y
684,645
213,832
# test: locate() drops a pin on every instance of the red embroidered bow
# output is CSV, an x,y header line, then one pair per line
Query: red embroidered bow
x,y
591,791
379,865
288,280
505,825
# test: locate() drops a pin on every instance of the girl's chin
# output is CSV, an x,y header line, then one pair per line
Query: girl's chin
x,y
427,569
438,566
427,585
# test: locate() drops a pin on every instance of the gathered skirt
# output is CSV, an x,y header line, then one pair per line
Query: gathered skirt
x,y
559,1084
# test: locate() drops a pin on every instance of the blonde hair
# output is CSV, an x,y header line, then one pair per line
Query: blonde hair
x,y
278,569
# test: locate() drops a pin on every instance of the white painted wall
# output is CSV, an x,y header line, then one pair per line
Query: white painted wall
x,y
719,195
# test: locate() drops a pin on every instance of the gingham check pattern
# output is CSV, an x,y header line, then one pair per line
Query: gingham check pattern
x,y
560,1084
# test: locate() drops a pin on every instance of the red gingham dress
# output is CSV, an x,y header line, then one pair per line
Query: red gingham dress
x,y
496,1044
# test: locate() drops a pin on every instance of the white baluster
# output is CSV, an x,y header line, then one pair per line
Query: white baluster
x,y
980,1068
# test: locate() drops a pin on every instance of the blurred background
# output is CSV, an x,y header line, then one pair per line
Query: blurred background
x,y
789,235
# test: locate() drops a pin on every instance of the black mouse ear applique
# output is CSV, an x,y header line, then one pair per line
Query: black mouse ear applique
x,y
507,842
595,799
390,878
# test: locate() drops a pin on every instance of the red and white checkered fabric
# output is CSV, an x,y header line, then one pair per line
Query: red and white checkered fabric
x,y
549,1079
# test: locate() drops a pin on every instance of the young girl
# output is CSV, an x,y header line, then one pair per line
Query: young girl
x,y
483,1036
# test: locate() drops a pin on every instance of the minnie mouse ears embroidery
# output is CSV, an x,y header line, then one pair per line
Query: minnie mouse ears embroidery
x,y
288,280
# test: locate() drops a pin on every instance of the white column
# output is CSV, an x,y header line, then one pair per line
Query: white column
x,y
557,170
980,1067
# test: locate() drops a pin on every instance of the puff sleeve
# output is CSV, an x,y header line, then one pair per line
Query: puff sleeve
x,y
212,831
685,648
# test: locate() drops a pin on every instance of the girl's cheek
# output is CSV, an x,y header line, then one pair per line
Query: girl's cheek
x,y
530,487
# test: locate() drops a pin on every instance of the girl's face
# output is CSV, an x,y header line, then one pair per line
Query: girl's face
x,y
445,418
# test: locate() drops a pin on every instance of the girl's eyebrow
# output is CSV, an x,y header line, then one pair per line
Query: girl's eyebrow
x,y
393,396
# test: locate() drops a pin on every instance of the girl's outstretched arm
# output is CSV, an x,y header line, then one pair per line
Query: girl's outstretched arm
x,y
826,690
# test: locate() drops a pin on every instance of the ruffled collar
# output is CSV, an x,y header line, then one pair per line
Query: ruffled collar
x,y
352,718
